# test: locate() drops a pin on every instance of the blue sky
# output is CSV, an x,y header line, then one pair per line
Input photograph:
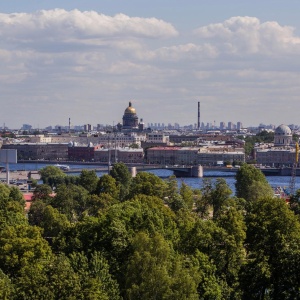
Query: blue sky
x,y
87,59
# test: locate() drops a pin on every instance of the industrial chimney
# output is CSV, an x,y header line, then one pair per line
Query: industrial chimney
x,y
198,116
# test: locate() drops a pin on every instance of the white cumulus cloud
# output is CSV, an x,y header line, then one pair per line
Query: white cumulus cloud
x,y
70,25
247,35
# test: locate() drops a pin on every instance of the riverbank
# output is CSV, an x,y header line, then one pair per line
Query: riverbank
x,y
19,175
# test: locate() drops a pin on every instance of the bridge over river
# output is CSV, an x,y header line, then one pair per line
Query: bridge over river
x,y
192,171
203,171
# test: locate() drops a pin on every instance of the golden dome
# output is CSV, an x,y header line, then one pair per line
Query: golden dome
x,y
130,109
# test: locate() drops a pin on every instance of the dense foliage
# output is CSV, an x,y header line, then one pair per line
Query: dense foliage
x,y
118,237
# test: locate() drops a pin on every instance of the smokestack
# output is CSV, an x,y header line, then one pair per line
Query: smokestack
x,y
69,125
198,115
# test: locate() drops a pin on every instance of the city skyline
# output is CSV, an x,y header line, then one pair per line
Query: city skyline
x,y
87,60
222,126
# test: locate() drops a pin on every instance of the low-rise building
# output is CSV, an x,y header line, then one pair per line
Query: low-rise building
x,y
275,157
211,157
125,155
193,155
40,138
39,151
82,152
157,137
121,139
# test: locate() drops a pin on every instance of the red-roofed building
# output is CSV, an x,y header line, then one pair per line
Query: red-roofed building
x,y
28,197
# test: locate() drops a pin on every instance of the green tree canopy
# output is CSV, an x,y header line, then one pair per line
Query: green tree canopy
x,y
53,222
16,195
107,185
36,212
88,179
6,287
123,177
71,200
95,279
147,184
50,171
20,246
246,178
172,196
272,244
187,195
11,206
155,272
49,279
42,192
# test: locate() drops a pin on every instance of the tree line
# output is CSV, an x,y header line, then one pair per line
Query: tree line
x,y
118,237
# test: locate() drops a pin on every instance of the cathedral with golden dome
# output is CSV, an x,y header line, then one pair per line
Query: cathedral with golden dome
x,y
130,118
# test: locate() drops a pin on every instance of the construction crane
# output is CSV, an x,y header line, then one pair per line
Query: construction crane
x,y
294,170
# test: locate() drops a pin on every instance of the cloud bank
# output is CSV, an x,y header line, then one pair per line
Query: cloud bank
x,y
68,25
56,64
247,35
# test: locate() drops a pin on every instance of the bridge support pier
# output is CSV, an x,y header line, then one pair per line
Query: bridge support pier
x,y
132,170
194,171
197,171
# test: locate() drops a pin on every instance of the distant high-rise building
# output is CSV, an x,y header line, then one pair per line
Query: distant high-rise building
x,y
239,126
230,126
87,127
26,127
209,125
100,127
222,125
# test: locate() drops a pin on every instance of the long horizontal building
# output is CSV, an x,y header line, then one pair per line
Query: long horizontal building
x,y
37,151
276,157
120,139
194,155
75,152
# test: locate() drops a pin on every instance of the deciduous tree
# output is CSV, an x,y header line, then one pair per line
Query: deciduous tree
x,y
247,178
88,179
272,244
147,184
122,176
107,185
50,171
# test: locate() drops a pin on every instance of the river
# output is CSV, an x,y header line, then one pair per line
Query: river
x,y
274,181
